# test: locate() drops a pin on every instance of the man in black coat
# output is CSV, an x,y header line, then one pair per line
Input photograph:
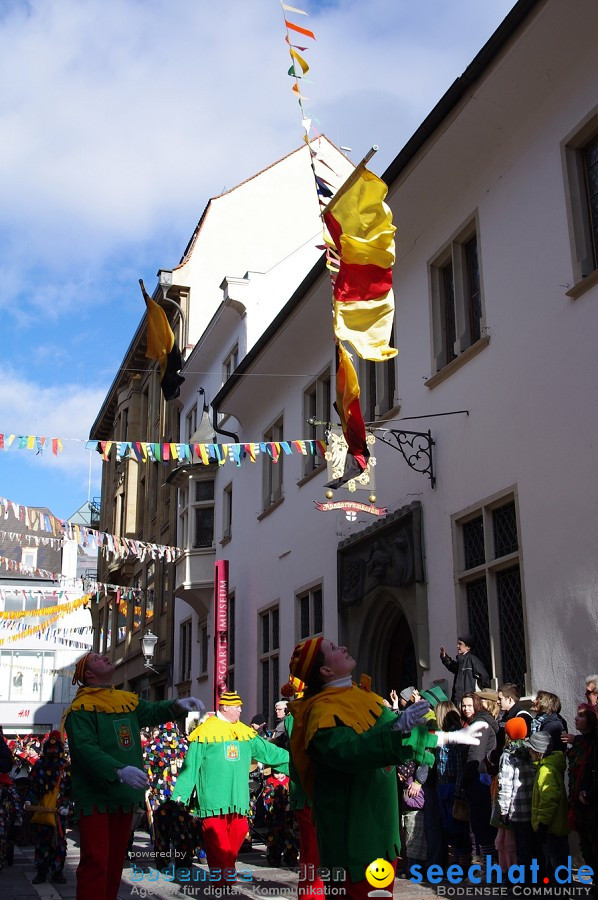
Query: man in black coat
x,y
469,671
508,700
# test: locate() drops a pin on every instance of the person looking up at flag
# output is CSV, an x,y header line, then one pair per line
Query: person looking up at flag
x,y
344,745
103,727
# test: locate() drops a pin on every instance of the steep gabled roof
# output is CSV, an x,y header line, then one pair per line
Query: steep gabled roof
x,y
200,224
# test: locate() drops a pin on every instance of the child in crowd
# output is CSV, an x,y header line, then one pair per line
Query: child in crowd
x,y
516,775
549,800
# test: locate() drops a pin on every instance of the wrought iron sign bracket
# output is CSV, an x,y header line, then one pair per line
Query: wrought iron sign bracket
x,y
416,448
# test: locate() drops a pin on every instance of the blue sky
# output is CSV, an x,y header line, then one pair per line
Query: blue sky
x,y
119,120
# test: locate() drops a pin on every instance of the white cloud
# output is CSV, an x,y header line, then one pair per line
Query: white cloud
x,y
121,116
64,411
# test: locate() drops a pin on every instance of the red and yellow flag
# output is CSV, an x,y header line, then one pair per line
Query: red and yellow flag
x,y
161,345
361,231
348,408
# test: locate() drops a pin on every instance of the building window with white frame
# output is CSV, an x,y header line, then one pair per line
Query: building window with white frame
x,y
309,612
150,578
581,162
202,513
190,423
109,624
203,647
186,633
227,512
378,382
317,402
269,659
29,557
273,471
230,363
457,301
183,532
491,592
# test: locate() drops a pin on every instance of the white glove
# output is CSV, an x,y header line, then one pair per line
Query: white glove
x,y
26,804
132,776
64,810
191,704
471,735
411,717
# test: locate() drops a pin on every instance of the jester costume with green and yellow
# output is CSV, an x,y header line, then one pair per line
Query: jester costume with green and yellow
x,y
345,752
103,725
214,782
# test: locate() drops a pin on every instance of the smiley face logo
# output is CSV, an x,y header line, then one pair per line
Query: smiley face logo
x,y
379,873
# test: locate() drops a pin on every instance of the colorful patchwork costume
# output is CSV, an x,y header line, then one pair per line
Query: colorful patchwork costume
x,y
50,787
282,842
171,824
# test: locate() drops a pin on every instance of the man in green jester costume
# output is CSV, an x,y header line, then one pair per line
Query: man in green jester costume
x,y
345,745
108,780
214,780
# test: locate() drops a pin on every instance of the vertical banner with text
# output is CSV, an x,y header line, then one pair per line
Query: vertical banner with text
x,y
220,628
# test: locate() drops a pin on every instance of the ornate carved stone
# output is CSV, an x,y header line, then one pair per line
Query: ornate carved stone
x,y
385,554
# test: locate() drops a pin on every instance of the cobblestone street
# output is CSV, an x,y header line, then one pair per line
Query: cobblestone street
x,y
257,880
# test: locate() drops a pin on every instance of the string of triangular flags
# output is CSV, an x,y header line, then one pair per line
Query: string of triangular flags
x,y
99,589
30,442
168,451
297,71
32,540
34,519
121,547
22,630
32,592
143,451
66,673
29,631
359,242
63,632
87,538
63,609
12,565
51,635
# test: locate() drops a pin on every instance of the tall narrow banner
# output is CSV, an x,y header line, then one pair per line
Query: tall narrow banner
x,y
220,628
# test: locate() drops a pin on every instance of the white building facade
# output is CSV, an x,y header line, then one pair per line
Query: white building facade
x,y
36,670
496,282
249,246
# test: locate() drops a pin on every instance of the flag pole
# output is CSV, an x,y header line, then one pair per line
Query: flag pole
x,y
353,177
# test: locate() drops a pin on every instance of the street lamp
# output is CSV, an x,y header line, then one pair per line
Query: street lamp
x,y
148,645
165,282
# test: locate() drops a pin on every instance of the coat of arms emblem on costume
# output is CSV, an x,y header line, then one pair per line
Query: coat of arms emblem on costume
x,y
123,734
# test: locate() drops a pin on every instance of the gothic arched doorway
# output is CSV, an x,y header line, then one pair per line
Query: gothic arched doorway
x,y
401,662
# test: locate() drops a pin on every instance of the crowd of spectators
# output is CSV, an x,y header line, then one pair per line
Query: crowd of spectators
x,y
515,798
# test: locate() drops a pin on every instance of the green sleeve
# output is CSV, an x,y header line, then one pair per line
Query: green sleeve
x,y
86,751
270,754
187,777
341,748
149,714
